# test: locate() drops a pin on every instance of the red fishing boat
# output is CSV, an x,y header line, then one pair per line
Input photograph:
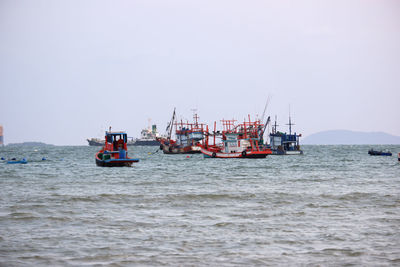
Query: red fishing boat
x,y
114,152
189,137
237,141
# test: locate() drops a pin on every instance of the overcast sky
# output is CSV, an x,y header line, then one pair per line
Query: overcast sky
x,y
69,69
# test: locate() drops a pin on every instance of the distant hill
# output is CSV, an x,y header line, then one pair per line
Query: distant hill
x,y
29,144
345,137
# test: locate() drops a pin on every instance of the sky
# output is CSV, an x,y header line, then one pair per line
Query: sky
x,y
70,69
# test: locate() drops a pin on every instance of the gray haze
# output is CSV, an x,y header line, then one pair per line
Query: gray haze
x,y
69,69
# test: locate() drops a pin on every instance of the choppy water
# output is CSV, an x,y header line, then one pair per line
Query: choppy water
x,y
335,205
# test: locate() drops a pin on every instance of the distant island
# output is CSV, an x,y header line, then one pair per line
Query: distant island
x,y
345,137
29,144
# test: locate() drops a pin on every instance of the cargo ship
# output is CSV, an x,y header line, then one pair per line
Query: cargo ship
x,y
148,137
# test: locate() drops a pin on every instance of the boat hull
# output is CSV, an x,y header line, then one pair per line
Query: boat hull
x,y
17,162
379,153
115,162
167,149
287,152
235,155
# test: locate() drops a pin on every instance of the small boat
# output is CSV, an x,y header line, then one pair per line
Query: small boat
x,y
398,157
379,153
14,161
237,141
189,137
114,152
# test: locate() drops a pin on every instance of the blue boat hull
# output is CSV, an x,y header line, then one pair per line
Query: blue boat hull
x,y
379,153
17,162
127,162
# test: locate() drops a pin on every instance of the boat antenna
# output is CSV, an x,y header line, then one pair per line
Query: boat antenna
x,y
275,125
290,123
195,117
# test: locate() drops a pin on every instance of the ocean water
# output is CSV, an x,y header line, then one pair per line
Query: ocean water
x,y
334,205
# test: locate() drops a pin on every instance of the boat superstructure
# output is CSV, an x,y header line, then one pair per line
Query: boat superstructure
x,y
100,142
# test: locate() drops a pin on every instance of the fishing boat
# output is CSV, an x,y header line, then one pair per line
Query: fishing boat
x,y
15,161
373,152
114,152
237,141
189,136
284,143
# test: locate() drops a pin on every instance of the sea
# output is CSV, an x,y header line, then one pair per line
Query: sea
x,y
332,206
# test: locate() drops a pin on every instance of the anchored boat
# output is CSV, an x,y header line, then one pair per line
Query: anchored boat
x,y
15,161
114,152
237,141
379,153
283,143
189,137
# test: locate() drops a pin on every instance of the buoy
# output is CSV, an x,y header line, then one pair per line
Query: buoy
x,y
187,157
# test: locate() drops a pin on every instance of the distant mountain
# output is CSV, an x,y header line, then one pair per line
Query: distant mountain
x,y
345,137
29,144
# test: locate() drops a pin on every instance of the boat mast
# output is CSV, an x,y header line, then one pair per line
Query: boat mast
x,y
265,108
274,127
195,118
290,123
265,126
171,125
